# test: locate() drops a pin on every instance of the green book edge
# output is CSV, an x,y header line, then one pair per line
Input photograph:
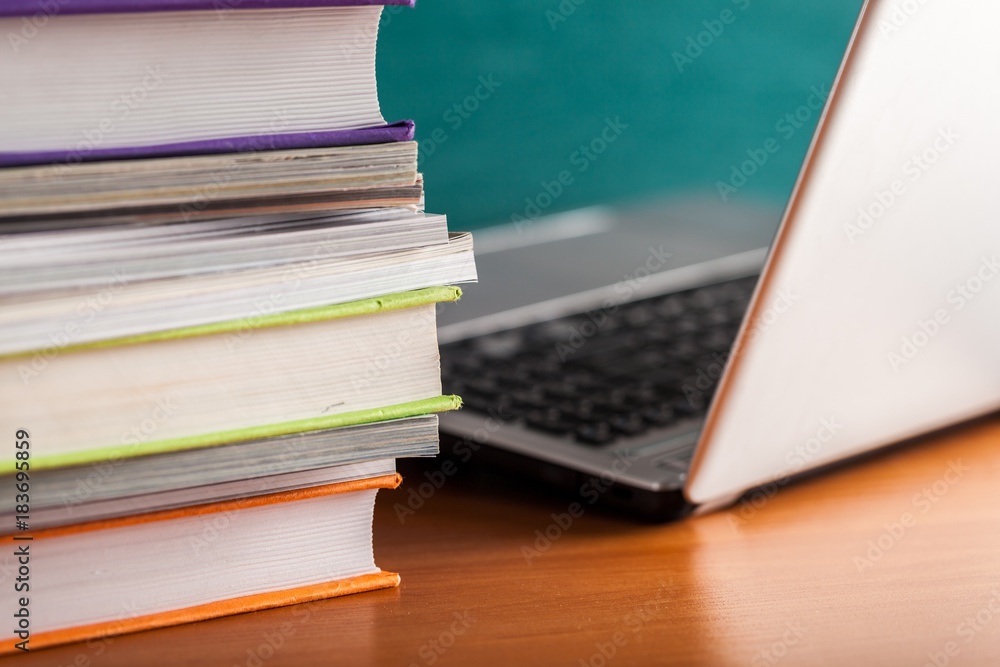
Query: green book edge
x,y
117,452
378,304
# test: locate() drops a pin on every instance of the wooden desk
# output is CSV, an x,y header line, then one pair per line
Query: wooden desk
x,y
784,584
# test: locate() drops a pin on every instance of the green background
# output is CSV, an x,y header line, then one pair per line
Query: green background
x,y
563,68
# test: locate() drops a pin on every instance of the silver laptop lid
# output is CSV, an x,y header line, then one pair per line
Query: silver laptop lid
x,y
878,316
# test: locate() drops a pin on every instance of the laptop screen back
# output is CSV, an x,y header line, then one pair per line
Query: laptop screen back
x,y
878,312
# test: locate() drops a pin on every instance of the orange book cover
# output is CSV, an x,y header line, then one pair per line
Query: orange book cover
x,y
236,605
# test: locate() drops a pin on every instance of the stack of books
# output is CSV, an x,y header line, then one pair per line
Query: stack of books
x,y
218,292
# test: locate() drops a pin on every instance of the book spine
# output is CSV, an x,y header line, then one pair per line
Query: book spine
x,y
49,8
240,605
382,134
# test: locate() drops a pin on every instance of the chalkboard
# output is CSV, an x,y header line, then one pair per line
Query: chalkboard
x,y
514,99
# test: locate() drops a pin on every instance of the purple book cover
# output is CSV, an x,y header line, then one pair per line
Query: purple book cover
x,y
54,7
382,134
401,131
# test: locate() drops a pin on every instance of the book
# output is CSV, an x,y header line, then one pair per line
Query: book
x,y
182,389
176,566
120,486
202,185
71,512
171,77
408,196
218,302
75,259
42,325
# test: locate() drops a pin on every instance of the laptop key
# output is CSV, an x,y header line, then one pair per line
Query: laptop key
x,y
691,406
604,345
643,393
585,410
599,433
613,399
557,390
484,384
629,423
659,414
551,420
665,376
475,400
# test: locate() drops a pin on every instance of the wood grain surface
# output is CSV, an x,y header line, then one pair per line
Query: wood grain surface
x,y
894,560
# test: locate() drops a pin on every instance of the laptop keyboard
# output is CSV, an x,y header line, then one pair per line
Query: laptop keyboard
x,y
606,375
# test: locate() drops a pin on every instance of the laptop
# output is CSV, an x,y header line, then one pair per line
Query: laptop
x,y
670,358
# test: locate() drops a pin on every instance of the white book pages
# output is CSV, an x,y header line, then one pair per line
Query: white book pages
x,y
132,396
149,78
47,323
104,576
52,261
